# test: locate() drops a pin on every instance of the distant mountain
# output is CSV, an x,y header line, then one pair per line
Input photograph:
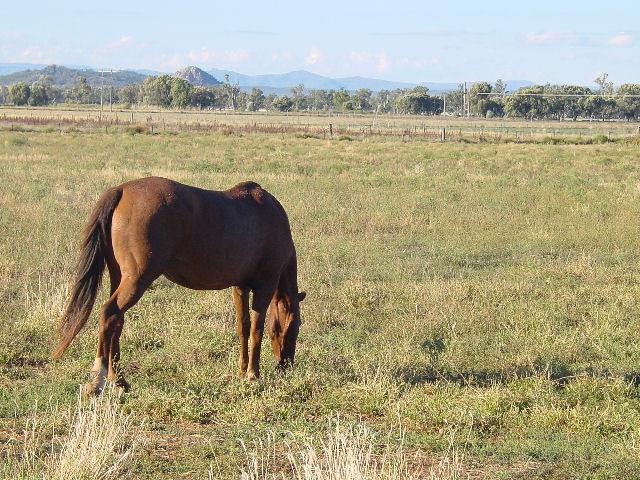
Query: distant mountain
x,y
8,68
155,73
196,76
279,80
68,77
313,81
356,83
513,85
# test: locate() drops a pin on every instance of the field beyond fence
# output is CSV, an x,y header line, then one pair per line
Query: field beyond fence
x,y
360,126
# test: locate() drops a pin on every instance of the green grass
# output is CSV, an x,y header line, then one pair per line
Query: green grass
x,y
473,305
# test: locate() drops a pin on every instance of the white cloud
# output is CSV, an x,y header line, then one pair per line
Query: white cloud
x,y
380,60
546,38
282,57
383,63
360,57
203,56
313,57
126,42
622,40
33,53
235,56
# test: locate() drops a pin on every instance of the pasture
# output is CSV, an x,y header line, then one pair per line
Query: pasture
x,y
472,311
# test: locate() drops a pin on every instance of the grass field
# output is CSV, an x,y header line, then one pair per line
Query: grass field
x,y
472,312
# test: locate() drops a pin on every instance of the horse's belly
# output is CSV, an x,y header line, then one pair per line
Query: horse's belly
x,y
203,277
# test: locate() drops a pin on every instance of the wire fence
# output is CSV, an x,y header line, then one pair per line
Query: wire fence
x,y
324,125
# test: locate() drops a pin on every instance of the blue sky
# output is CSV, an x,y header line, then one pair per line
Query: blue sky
x,y
414,41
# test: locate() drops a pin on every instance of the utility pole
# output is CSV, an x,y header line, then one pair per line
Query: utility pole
x,y
111,93
102,72
464,99
101,88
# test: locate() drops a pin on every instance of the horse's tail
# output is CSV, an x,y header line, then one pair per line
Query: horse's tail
x,y
89,269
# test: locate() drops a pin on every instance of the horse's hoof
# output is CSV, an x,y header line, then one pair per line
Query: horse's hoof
x,y
123,386
90,391
253,377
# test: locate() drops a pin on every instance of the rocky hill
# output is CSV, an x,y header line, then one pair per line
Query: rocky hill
x,y
196,76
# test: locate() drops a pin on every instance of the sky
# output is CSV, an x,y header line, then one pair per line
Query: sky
x,y
542,41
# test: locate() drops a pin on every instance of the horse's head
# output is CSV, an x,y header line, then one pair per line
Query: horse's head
x,y
283,324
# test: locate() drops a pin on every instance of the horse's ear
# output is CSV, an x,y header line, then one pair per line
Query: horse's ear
x,y
301,296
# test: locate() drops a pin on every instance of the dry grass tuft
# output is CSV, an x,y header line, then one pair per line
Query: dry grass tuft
x,y
347,453
97,446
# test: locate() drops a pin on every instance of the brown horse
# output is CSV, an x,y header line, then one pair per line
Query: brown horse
x,y
200,239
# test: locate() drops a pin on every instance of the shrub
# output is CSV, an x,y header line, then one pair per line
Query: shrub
x,y
601,138
135,129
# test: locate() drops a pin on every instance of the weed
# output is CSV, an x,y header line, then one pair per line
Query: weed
x,y
136,129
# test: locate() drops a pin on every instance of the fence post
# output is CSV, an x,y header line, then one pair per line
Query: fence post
x,y
331,129
444,135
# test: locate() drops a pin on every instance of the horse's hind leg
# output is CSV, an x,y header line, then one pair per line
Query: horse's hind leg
x,y
112,313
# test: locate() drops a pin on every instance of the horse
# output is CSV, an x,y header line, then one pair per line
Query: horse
x,y
199,239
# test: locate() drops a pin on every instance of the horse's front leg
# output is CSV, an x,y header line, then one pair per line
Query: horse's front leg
x,y
241,302
261,299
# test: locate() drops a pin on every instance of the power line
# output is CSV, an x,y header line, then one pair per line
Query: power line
x,y
594,95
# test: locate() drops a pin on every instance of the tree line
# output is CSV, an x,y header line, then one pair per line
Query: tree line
x,y
482,99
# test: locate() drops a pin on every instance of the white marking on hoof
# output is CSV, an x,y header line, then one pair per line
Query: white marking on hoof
x,y
98,376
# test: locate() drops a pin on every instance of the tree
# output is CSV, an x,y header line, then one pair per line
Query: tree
x,y
4,94
19,93
203,97
480,98
606,88
340,98
54,94
362,99
181,93
573,103
527,102
454,99
383,103
256,100
83,91
157,90
242,100
38,96
320,99
282,104
299,99
628,100
129,94
418,101
499,88
268,101
232,92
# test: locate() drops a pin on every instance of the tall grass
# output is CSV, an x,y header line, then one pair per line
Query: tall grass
x,y
346,453
98,444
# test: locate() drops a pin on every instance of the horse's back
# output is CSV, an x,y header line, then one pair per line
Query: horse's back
x,y
201,239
